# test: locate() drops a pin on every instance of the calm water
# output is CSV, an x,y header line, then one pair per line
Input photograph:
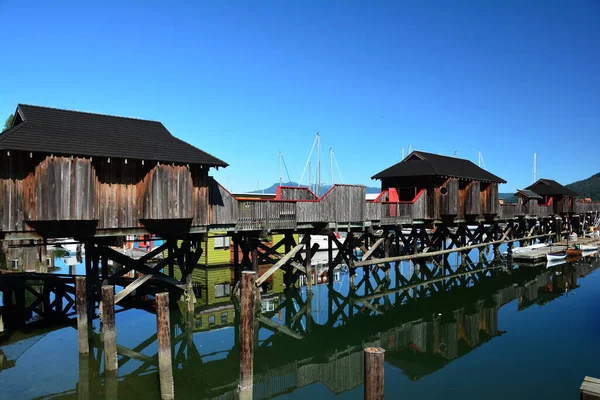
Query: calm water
x,y
505,332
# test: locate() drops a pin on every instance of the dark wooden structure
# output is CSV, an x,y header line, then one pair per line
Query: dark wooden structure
x,y
552,192
453,188
97,178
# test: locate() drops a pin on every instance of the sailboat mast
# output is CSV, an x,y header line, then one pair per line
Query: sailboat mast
x,y
318,171
331,164
280,176
534,167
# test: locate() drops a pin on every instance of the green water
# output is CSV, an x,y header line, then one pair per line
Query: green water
x,y
504,332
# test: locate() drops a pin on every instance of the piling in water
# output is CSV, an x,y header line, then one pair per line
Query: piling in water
x,y
83,386
111,384
109,332
82,318
248,293
163,331
374,373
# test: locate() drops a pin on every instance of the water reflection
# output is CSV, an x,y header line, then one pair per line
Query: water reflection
x,y
425,316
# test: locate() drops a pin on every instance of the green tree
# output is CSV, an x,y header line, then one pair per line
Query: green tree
x,y
8,122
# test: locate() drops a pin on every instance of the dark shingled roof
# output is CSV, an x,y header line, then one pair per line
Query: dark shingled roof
x,y
528,193
55,131
548,187
419,163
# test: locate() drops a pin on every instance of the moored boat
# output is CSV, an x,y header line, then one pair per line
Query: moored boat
x,y
588,247
574,252
558,255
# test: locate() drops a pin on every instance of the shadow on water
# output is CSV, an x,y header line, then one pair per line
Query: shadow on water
x,y
425,316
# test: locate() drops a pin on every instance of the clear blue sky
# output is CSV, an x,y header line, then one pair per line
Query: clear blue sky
x,y
244,80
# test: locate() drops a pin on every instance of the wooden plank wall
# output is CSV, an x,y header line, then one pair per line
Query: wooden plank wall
x,y
116,193
473,198
450,201
296,193
489,199
224,208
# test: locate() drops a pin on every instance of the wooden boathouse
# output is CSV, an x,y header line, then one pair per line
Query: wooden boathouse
x,y
443,188
98,173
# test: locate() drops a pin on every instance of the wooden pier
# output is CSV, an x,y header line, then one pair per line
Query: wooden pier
x,y
97,178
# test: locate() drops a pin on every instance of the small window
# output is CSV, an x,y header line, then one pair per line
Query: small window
x,y
222,242
199,322
211,320
224,318
267,306
222,290
444,191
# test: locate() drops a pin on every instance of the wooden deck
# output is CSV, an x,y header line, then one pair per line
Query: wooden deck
x,y
537,254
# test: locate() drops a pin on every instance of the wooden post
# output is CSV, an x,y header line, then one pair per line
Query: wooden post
x,y
309,283
163,329
589,389
254,255
82,317
90,282
109,332
248,293
330,259
374,357
308,265
83,386
111,383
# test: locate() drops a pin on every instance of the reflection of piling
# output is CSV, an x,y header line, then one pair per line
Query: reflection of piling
x,y
82,317
109,332
83,387
163,329
374,373
111,384
248,293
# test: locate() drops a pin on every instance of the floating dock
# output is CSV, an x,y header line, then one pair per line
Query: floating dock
x,y
533,256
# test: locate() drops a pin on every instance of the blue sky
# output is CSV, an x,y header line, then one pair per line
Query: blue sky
x,y
245,80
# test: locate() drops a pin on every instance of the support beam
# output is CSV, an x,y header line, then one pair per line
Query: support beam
x,y
374,247
131,287
438,253
279,264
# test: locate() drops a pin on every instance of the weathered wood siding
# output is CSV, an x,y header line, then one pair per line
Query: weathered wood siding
x,y
261,214
489,199
224,207
581,207
373,211
343,203
295,193
472,195
449,202
114,192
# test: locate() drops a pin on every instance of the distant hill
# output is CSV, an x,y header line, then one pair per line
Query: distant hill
x,y
273,188
508,197
589,187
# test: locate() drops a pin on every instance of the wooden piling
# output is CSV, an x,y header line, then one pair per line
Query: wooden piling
x,y
248,293
374,360
590,389
111,384
109,332
165,364
82,317
83,386
308,264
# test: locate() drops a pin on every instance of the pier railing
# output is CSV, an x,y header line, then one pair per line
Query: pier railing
x,y
403,212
